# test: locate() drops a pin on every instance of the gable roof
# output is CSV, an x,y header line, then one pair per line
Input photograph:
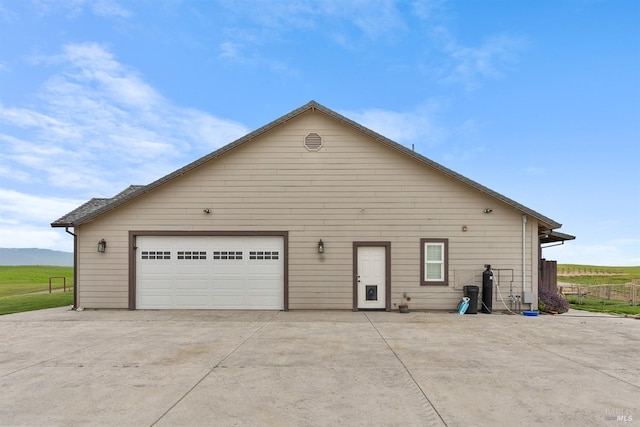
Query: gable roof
x,y
93,205
97,207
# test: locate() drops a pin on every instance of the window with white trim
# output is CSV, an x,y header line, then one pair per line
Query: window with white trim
x,y
434,258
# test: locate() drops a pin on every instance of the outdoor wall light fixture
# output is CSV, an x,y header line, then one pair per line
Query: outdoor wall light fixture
x,y
102,245
206,210
320,247
487,210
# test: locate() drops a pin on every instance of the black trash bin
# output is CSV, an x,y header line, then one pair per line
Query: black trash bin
x,y
472,292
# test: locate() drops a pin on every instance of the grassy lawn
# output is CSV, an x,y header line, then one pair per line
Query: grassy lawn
x,y
18,285
20,303
592,275
596,274
603,306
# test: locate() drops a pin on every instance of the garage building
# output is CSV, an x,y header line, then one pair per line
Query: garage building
x,y
311,211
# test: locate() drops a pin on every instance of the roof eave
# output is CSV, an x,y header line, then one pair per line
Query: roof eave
x,y
61,224
555,236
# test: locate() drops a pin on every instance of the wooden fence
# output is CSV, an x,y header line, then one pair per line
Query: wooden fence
x,y
548,275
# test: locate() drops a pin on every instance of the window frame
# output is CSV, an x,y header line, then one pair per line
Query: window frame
x,y
445,262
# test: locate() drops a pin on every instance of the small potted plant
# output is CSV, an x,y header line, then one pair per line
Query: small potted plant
x,y
403,307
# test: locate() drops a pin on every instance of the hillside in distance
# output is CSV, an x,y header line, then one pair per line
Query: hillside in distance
x,y
33,256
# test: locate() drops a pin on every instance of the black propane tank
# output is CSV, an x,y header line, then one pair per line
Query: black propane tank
x,y
487,289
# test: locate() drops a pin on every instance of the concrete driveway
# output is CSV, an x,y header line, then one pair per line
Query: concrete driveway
x,y
304,368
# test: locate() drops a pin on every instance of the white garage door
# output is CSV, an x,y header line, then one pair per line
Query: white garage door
x,y
200,272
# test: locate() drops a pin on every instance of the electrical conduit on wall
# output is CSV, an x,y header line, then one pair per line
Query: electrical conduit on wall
x,y
524,256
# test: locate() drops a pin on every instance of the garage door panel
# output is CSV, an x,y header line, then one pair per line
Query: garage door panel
x,y
210,272
191,301
260,300
148,268
230,282
263,270
264,285
190,284
260,280
229,271
190,269
231,301
157,301
157,284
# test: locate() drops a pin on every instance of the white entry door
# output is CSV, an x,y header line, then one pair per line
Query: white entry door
x,y
371,277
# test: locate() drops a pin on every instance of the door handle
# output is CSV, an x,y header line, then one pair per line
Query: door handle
x,y
358,278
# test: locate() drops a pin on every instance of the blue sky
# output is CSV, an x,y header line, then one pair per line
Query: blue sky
x,y
538,100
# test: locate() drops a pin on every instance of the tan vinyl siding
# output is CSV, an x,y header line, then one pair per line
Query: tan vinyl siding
x,y
353,189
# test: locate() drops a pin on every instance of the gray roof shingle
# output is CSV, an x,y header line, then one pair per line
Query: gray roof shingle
x,y
88,208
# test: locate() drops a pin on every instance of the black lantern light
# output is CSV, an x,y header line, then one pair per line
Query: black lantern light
x,y
102,245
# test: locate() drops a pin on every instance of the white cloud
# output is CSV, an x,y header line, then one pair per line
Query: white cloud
x,y
98,128
363,25
454,62
429,10
345,23
27,118
25,219
99,118
424,128
94,67
209,130
229,50
15,205
109,8
5,14
380,19
15,174
75,8
619,252
419,126
468,65
374,18
26,236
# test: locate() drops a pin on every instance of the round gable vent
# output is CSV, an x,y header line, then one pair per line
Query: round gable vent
x,y
313,142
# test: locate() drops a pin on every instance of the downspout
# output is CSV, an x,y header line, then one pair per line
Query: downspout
x,y
75,268
524,255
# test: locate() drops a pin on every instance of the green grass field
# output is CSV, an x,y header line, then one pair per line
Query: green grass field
x,y
19,284
602,305
597,275
30,302
593,275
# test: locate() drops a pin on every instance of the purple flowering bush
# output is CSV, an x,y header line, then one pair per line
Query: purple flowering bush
x,y
551,301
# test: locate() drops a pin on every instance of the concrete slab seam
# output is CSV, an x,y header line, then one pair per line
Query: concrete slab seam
x,y
264,324
563,357
59,356
430,406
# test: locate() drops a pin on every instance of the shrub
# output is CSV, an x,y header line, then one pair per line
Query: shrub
x,y
551,301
